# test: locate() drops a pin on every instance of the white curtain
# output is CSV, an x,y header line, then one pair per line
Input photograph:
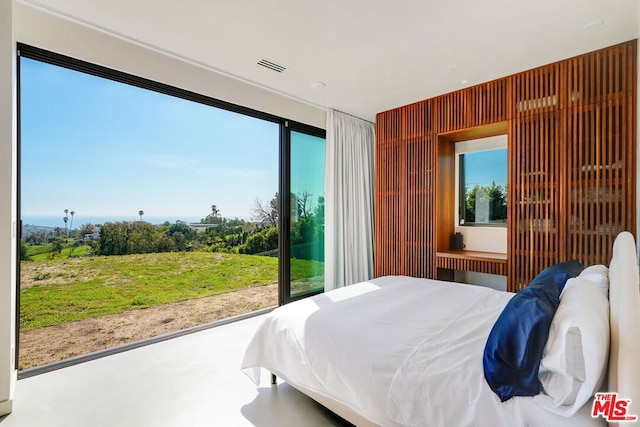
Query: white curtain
x,y
349,200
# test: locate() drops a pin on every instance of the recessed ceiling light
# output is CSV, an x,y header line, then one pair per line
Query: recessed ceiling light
x,y
318,85
592,26
464,82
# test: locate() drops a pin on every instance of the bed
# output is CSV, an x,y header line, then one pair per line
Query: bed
x,y
402,351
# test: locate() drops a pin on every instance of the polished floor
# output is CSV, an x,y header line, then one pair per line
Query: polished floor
x,y
190,381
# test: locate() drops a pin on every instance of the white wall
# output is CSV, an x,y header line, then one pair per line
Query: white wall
x,y
61,35
7,206
484,239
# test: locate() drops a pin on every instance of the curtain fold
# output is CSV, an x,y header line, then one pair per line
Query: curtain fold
x,y
349,200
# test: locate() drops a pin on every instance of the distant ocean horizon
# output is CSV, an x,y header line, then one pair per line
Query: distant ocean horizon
x,y
79,220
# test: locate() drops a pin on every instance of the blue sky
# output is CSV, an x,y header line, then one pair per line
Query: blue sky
x,y
484,167
307,165
103,148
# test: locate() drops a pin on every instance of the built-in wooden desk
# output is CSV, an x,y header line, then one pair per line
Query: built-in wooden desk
x,y
480,262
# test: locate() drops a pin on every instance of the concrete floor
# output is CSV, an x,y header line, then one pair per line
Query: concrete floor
x,y
189,381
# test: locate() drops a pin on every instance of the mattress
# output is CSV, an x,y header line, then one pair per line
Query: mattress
x,y
397,351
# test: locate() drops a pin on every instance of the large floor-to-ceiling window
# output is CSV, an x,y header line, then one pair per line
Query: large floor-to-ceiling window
x,y
146,209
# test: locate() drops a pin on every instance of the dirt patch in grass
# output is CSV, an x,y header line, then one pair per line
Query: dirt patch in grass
x,y
53,343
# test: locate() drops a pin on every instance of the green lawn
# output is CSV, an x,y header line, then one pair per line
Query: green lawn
x,y
63,290
43,252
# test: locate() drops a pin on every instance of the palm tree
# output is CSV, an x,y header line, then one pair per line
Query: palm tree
x,y
65,218
72,213
140,212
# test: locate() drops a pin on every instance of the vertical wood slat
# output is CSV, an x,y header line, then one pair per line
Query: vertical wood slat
x,y
601,149
387,203
561,118
487,267
419,191
404,182
475,106
534,179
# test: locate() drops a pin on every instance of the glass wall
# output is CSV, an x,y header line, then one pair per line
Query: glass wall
x,y
145,213
306,213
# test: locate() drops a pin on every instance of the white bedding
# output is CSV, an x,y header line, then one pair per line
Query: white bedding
x,y
405,352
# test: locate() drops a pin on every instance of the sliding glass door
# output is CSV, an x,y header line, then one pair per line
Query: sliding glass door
x,y
303,213
140,202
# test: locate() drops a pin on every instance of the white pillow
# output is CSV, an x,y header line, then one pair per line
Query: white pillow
x,y
574,360
598,274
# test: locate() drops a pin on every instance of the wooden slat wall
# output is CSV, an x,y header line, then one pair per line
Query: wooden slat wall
x,y
419,184
472,265
475,106
404,191
488,103
572,174
388,203
535,226
601,151
534,223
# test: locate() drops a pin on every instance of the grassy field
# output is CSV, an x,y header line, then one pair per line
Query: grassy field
x,y
43,252
63,289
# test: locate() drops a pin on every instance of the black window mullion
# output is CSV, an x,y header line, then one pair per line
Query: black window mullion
x,y
284,215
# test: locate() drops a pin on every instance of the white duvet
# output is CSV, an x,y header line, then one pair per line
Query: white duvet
x,y
399,351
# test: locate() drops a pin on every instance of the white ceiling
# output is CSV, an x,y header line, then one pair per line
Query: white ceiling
x,y
373,55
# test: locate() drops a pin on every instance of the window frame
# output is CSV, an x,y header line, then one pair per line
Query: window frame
x,y
286,125
284,242
498,142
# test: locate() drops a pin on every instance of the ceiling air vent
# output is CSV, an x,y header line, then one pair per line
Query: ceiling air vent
x,y
272,65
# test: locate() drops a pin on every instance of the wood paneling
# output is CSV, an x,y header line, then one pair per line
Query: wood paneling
x,y
535,91
571,131
480,262
389,167
601,153
405,185
534,222
475,106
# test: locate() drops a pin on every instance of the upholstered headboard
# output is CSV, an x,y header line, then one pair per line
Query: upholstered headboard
x,y
624,301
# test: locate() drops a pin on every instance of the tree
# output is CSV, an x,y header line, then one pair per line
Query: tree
x,y
181,227
65,218
166,244
84,231
495,195
320,211
498,198
72,213
214,217
113,238
303,204
266,213
262,241
179,240
56,246
24,256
